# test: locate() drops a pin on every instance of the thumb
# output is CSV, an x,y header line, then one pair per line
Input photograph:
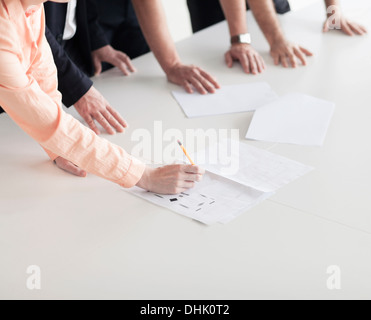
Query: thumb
x,y
326,27
97,66
69,167
276,58
229,60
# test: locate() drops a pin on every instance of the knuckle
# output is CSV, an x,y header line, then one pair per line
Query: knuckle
x,y
95,113
85,115
194,69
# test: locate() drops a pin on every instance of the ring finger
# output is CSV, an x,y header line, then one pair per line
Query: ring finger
x,y
199,87
112,121
104,123
206,84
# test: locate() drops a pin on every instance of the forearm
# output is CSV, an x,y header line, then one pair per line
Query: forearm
x,y
33,102
152,19
330,3
266,16
235,13
62,135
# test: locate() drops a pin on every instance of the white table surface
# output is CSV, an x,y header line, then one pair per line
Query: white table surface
x,y
92,239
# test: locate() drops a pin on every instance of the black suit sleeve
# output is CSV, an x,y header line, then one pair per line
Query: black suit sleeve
x,y
96,33
73,83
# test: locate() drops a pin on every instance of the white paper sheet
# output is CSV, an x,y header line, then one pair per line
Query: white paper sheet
x,y
215,199
253,167
224,193
294,118
228,99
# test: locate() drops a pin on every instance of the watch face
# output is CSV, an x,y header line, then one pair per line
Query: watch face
x,y
245,38
241,38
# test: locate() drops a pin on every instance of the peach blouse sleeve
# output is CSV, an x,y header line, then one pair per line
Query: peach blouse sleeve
x,y
31,99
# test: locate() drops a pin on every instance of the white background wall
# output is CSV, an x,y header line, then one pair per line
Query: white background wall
x,y
179,22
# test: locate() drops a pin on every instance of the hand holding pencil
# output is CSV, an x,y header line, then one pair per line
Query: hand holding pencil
x,y
173,179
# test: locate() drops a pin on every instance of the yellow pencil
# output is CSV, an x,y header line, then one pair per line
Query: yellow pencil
x,y
186,153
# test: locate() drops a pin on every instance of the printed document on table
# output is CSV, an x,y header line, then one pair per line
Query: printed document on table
x,y
228,99
294,118
214,199
238,178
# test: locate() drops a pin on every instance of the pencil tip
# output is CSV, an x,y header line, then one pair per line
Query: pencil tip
x,y
179,142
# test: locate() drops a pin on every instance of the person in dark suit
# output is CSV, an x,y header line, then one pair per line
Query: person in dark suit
x,y
75,63
88,47
88,36
119,22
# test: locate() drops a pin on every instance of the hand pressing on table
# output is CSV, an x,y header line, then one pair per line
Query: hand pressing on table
x,y
94,107
152,19
348,27
114,57
337,21
192,77
252,62
288,54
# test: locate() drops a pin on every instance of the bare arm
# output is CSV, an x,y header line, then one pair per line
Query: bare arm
x,y
332,3
251,61
266,16
152,19
235,13
282,51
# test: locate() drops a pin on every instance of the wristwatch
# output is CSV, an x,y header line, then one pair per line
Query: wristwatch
x,y
244,38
